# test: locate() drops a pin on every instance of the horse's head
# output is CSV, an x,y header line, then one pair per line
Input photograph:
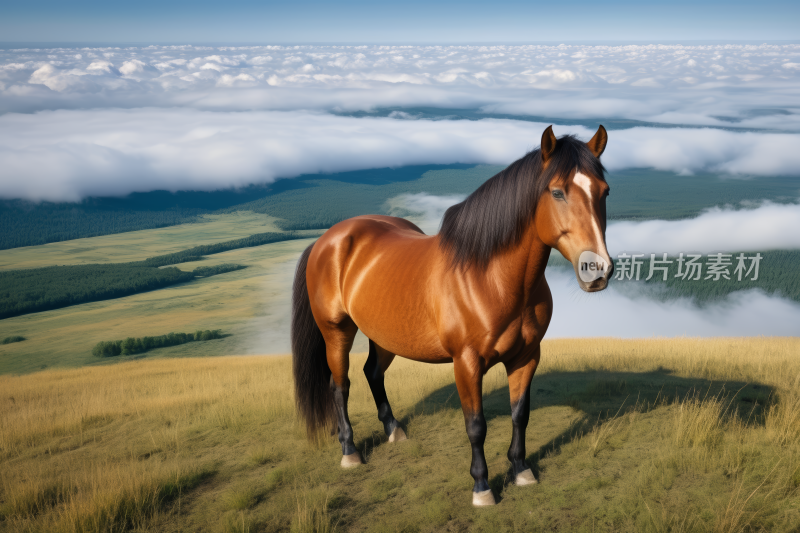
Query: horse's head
x,y
571,212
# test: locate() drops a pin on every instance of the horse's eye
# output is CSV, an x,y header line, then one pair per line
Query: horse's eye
x,y
558,194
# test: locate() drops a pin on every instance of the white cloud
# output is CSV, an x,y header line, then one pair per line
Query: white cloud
x,y
134,66
101,67
57,80
213,66
612,313
70,154
548,79
424,210
226,80
259,60
687,150
767,227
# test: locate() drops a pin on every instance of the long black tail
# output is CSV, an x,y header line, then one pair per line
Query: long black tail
x,y
312,391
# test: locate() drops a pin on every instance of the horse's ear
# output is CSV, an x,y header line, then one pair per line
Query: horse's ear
x,y
548,144
598,143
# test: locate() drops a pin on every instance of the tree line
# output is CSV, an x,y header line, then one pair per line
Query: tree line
x,y
135,345
197,253
43,289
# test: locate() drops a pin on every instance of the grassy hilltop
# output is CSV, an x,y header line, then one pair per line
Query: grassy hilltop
x,y
639,435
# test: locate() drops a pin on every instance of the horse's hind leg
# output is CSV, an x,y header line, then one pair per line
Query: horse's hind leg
x,y
520,372
338,341
377,363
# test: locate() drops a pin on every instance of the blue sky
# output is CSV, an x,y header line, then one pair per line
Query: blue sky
x,y
416,21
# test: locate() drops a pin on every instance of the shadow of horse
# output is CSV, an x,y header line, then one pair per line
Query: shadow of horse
x,y
596,397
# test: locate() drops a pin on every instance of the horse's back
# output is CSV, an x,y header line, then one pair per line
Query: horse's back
x,y
377,271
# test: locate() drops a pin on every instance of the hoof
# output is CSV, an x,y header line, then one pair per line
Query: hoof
x,y
483,499
525,478
398,435
349,461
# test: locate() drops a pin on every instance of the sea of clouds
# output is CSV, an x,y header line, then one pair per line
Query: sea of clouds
x,y
78,122
718,85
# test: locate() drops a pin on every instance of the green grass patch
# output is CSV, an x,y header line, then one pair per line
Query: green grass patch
x,y
13,338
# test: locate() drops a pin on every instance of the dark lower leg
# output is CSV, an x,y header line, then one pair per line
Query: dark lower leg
x,y
374,373
476,431
520,413
340,396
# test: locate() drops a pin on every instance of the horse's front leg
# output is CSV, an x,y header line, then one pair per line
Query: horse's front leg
x,y
469,381
520,372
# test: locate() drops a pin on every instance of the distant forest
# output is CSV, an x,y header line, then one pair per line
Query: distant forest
x,y
43,289
319,201
27,223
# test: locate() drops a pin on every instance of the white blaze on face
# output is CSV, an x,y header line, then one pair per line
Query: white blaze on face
x,y
584,182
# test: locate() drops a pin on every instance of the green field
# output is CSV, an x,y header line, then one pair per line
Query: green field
x,y
318,201
42,289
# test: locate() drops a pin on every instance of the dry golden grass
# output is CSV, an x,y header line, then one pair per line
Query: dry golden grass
x,y
626,435
138,245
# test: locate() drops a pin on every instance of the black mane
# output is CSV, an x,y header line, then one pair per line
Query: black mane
x,y
495,216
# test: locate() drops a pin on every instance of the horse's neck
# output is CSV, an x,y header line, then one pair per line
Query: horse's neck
x,y
520,268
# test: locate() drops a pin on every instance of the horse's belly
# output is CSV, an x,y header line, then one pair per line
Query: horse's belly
x,y
388,303
398,327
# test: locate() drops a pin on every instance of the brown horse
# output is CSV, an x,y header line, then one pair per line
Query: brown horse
x,y
474,294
